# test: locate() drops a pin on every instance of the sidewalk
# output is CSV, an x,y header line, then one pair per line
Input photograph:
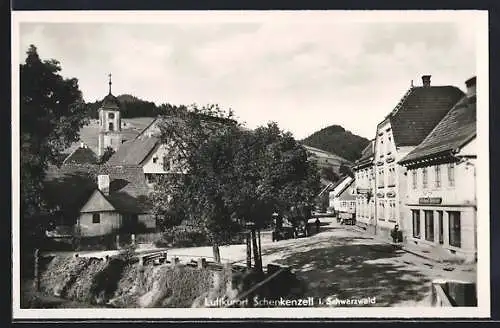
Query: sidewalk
x,y
438,259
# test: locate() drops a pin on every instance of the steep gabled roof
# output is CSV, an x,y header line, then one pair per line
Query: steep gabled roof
x,y
452,132
420,111
367,152
341,184
344,194
326,154
134,152
81,155
69,187
128,189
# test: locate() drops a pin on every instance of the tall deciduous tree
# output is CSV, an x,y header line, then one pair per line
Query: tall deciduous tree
x,y
236,177
195,136
52,112
273,174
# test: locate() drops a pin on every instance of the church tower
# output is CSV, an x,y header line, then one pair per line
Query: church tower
x,y
109,123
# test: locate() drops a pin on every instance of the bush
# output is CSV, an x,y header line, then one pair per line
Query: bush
x,y
182,236
98,243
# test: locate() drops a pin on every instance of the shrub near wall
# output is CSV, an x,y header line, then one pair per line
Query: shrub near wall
x,y
100,243
182,236
188,236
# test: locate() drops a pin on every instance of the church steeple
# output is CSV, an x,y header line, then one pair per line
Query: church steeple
x,y
109,75
109,122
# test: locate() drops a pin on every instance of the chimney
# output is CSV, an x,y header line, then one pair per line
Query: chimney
x,y
471,86
103,183
426,80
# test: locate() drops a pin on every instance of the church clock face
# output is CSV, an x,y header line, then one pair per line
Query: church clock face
x,y
111,116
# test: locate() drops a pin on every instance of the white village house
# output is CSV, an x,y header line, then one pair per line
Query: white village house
x,y
334,195
364,175
406,126
441,212
102,199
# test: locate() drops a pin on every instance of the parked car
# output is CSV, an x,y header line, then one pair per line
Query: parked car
x,y
283,233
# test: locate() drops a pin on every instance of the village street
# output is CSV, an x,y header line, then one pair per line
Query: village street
x,y
342,262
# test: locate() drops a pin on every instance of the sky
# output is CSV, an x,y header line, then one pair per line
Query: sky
x,y
301,72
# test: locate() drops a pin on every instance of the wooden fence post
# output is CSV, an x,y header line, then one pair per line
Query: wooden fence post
x,y
249,250
202,263
175,261
36,270
260,250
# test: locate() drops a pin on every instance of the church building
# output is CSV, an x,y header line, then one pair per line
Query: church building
x,y
109,123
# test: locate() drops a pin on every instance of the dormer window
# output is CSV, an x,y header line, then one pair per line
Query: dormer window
x,y
111,116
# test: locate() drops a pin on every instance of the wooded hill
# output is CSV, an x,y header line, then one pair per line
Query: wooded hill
x,y
132,107
335,139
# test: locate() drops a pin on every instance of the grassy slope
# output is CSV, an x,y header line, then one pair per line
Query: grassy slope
x,y
89,134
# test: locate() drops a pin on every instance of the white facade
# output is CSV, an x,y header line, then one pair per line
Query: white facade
x,y
334,200
441,204
390,181
109,130
365,189
161,161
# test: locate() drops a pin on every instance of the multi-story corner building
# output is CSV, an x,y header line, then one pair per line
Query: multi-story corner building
x,y
365,188
441,198
418,112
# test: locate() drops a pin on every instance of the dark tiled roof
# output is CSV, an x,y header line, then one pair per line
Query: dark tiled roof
x,y
128,190
420,111
133,152
69,187
367,152
81,155
456,128
111,102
